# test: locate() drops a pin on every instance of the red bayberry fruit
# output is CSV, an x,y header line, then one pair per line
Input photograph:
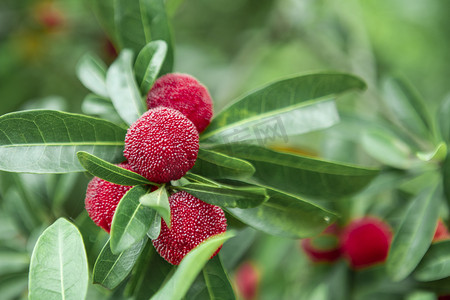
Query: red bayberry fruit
x,y
441,232
247,280
366,242
102,198
192,222
185,94
162,145
324,247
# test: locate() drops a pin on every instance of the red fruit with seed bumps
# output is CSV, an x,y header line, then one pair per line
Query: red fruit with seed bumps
x,y
162,145
185,94
323,248
441,232
366,242
102,198
192,222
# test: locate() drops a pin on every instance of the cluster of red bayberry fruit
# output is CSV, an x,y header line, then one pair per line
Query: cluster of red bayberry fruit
x,y
363,242
162,145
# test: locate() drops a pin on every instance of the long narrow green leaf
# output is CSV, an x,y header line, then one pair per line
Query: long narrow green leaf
x,y
436,263
59,268
301,175
131,221
217,281
123,89
149,63
46,141
111,269
218,165
110,172
104,11
191,265
414,235
131,29
286,107
159,201
92,73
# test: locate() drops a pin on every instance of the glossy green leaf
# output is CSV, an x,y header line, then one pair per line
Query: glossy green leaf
x,y
438,154
59,268
301,175
123,89
286,107
285,215
149,63
436,263
414,235
218,165
92,73
111,269
131,220
227,196
159,201
191,265
46,141
108,171
191,177
444,120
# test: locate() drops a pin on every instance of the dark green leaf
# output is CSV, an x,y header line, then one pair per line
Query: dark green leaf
x,y
446,177
227,196
191,265
236,247
218,165
59,268
444,120
159,201
45,141
123,89
290,106
14,286
436,263
104,11
13,262
131,28
131,220
414,235
111,269
92,73
108,171
149,63
303,175
285,215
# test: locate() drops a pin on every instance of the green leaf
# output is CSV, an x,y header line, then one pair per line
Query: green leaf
x,y
438,154
218,165
301,175
92,73
149,63
111,269
444,120
436,263
172,6
285,215
446,178
227,196
414,235
155,227
110,172
159,201
101,107
123,89
287,107
131,220
199,179
59,268
104,11
13,262
46,141
131,28
191,265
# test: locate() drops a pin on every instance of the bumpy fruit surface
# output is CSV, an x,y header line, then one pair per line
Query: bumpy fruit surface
x,y
162,145
247,280
185,94
192,222
102,198
441,232
325,247
366,242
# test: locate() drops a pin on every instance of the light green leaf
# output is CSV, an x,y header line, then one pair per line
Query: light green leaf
x,y
46,141
191,265
198,179
149,63
111,269
59,268
438,154
159,201
218,165
131,220
436,263
155,227
301,175
102,107
123,89
110,172
286,107
92,73
414,235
